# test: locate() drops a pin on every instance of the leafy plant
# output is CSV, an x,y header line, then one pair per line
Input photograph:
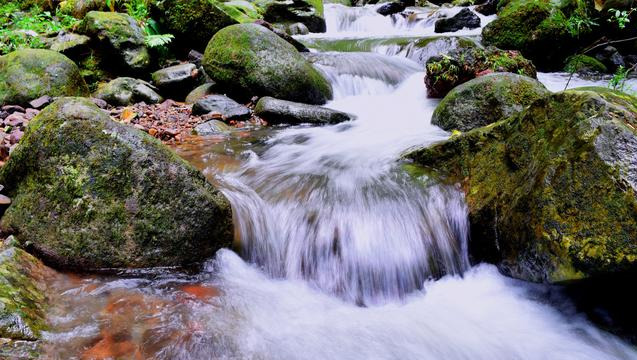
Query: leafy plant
x,y
159,40
580,23
137,9
618,81
621,17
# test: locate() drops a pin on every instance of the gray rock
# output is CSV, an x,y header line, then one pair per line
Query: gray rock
x,y
464,19
391,8
212,127
176,81
276,111
126,91
200,92
228,108
70,44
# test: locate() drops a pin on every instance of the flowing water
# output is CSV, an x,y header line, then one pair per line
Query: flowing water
x,y
342,252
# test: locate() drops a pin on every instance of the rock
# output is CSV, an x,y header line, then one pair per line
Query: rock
x,y
70,44
464,19
283,35
105,195
195,57
23,300
13,108
120,37
486,99
40,102
391,8
307,12
538,29
551,191
79,8
228,108
487,8
28,74
584,65
459,66
298,29
126,91
249,60
276,111
200,92
176,81
15,119
194,22
422,50
4,201
212,127
611,58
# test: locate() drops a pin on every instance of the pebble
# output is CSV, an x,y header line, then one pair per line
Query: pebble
x,y
13,108
41,102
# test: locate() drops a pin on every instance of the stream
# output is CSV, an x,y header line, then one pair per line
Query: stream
x,y
339,253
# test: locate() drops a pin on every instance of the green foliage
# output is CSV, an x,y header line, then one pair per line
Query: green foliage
x,y
618,81
580,23
138,9
23,29
160,40
620,17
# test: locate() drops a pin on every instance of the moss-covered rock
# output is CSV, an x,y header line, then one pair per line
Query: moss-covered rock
x,y
31,73
23,299
126,91
194,22
119,36
552,190
91,193
584,64
177,81
447,71
486,99
79,8
539,30
248,59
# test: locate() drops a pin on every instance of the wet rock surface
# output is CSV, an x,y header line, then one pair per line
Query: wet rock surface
x,y
228,108
276,111
464,19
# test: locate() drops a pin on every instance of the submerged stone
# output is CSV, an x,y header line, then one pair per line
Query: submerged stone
x,y
90,193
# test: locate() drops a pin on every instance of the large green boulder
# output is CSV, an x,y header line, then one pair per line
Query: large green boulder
x,y
23,297
79,8
551,191
248,60
194,22
90,193
28,74
486,99
446,71
539,29
120,39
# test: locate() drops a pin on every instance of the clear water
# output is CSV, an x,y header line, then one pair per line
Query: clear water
x,y
341,253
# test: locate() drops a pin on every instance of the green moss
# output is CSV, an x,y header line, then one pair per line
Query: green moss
x,y
91,193
23,301
31,73
549,189
584,63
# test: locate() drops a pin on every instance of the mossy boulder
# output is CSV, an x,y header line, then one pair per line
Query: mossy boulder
x,y
194,22
31,73
126,91
485,100
250,60
539,30
444,72
551,191
119,36
90,193
23,299
584,64
79,8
